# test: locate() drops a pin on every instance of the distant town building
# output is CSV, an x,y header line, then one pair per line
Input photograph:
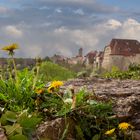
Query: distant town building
x,y
90,58
78,59
121,53
58,59
99,59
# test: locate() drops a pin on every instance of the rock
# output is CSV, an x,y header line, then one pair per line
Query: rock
x,y
54,129
124,93
129,108
108,87
2,134
136,135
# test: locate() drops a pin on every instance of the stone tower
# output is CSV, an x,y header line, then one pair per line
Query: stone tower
x,y
81,52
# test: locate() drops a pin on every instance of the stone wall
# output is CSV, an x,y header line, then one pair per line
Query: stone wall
x,y
106,64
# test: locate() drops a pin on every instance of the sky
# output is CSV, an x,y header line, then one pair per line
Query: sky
x,y
47,27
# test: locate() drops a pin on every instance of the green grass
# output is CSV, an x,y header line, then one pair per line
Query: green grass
x,y
51,71
133,72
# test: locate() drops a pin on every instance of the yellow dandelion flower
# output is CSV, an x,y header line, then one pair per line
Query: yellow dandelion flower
x,y
40,91
50,89
56,84
124,126
11,48
109,132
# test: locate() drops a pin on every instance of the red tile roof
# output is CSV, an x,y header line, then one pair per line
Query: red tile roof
x,y
91,54
124,47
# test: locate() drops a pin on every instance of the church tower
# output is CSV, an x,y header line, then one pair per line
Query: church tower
x,y
81,52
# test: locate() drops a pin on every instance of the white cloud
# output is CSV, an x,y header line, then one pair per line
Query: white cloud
x,y
67,41
79,12
131,22
97,36
85,38
60,30
55,26
44,8
13,31
70,0
3,10
130,29
62,50
113,24
45,24
58,10
32,50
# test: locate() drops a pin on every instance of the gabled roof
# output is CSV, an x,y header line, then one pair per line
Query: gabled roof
x,y
126,47
91,54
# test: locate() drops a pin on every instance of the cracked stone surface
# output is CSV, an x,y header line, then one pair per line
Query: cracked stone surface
x,y
124,93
